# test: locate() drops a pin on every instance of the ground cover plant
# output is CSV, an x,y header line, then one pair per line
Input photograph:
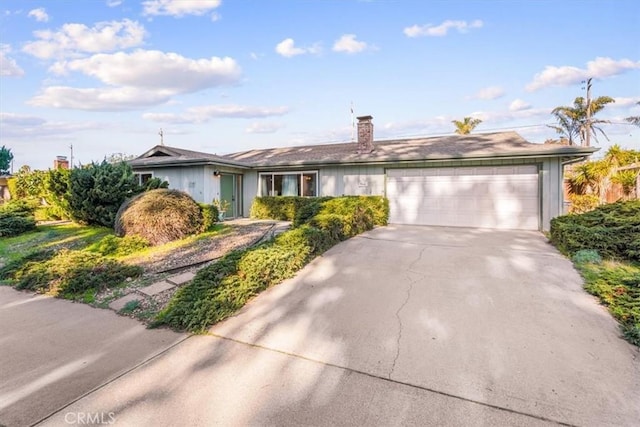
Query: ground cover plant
x,y
220,289
604,245
78,262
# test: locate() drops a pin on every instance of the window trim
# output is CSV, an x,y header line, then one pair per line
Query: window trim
x,y
301,183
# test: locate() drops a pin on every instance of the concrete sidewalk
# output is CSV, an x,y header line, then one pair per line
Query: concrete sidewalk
x,y
55,351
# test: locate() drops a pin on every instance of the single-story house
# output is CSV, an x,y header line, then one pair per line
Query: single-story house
x,y
492,180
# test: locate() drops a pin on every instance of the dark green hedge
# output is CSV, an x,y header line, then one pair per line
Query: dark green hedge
x,y
220,289
283,208
613,230
301,209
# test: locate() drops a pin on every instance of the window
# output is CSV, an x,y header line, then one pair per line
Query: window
x,y
289,184
143,178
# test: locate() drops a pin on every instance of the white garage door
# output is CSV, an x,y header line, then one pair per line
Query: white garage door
x,y
490,197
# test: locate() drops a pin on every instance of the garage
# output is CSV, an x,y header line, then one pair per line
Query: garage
x,y
505,197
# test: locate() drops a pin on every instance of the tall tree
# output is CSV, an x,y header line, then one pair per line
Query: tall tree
x,y
573,121
466,125
6,156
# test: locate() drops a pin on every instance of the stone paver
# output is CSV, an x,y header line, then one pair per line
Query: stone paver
x,y
156,288
181,279
119,304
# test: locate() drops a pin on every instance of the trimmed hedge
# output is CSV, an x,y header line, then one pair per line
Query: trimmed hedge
x,y
612,230
281,208
220,289
301,209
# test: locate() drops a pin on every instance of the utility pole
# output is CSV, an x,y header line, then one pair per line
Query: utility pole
x,y
161,133
71,159
588,121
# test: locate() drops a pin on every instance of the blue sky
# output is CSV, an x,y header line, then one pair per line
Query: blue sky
x,y
225,76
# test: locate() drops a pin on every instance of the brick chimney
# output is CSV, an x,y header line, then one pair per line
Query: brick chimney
x,y
365,134
61,162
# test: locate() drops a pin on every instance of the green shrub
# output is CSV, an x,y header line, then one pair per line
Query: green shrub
x,y
119,246
71,273
209,216
154,184
17,217
587,256
307,211
13,188
613,230
97,191
313,240
159,216
581,203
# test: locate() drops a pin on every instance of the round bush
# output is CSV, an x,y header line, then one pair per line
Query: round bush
x,y
159,216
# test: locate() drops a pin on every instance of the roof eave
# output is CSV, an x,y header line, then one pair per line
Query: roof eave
x,y
516,155
190,162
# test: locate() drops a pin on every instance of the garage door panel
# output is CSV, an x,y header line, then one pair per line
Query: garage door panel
x,y
492,197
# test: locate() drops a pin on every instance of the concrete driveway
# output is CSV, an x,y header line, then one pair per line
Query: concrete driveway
x,y
401,325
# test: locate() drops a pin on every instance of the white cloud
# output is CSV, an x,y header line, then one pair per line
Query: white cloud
x,y
566,75
519,105
156,70
23,127
491,92
98,99
8,66
178,8
73,39
348,44
622,102
114,3
442,29
260,127
136,80
39,14
288,49
204,113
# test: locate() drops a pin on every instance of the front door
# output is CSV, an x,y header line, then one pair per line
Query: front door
x,y
228,194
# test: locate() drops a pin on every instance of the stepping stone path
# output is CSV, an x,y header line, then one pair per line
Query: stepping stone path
x,y
151,290
183,278
119,304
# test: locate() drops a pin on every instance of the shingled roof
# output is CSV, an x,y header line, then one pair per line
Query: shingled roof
x,y
475,146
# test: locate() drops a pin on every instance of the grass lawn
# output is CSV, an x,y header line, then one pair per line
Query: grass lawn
x,y
50,237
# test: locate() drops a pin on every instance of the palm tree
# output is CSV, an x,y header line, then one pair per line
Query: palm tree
x,y
465,126
573,123
634,120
